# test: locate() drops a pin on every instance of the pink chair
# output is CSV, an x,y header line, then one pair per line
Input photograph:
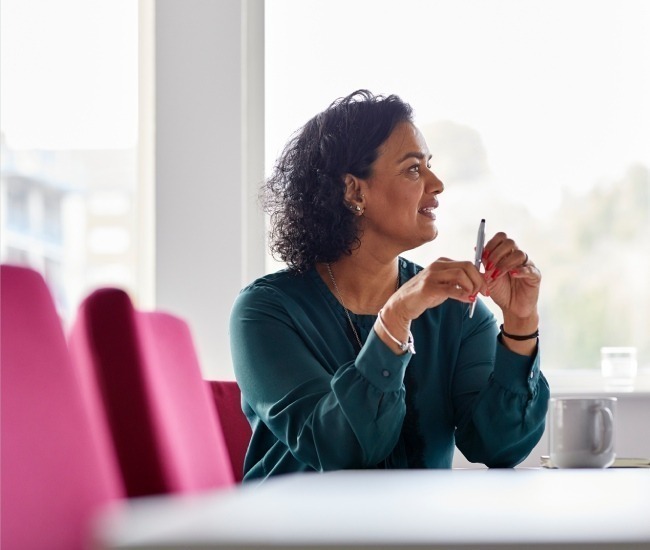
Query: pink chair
x,y
56,468
236,429
165,432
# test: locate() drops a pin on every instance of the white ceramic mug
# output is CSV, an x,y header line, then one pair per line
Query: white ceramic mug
x,y
582,432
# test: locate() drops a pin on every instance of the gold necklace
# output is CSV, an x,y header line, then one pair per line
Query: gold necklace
x,y
347,313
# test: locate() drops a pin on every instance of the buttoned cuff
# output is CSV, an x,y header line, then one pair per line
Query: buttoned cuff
x,y
380,365
518,373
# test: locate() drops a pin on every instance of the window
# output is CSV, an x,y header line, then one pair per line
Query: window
x,y
17,204
537,114
69,121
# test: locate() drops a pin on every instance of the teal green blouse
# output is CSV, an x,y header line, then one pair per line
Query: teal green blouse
x,y
315,402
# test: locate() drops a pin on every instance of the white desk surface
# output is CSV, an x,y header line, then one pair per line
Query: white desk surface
x,y
535,508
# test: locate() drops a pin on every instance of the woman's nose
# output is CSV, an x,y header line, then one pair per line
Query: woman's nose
x,y
434,185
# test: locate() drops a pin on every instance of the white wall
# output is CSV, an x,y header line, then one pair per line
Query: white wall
x,y
209,132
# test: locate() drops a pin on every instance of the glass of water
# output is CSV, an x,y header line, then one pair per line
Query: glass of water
x,y
618,365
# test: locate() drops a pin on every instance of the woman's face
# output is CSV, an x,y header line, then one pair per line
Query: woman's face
x,y
401,193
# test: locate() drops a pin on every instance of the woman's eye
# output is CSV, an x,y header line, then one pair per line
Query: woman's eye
x,y
415,168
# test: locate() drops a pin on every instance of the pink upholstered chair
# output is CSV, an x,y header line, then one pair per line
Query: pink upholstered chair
x,y
56,469
236,429
158,407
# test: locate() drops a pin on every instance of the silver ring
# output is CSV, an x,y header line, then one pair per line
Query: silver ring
x,y
525,260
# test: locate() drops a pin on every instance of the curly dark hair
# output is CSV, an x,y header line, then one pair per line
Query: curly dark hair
x,y
304,195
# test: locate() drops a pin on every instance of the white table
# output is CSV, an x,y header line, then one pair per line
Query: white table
x,y
537,508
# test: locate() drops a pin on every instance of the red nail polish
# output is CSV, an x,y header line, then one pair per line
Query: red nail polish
x,y
489,266
496,273
472,298
486,254
514,272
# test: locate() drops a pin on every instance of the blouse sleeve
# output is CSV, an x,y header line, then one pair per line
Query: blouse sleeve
x,y
330,416
500,398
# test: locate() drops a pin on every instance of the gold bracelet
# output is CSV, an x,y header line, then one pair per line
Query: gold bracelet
x,y
404,346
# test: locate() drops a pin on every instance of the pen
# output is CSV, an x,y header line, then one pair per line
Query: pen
x,y
480,243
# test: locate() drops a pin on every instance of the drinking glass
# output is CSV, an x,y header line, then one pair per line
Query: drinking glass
x,y
618,365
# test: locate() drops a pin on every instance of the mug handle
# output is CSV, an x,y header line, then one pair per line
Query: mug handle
x,y
607,436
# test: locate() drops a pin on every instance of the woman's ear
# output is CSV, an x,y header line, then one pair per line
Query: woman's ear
x,y
354,198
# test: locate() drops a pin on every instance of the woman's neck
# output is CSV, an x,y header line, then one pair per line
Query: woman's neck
x,y
364,282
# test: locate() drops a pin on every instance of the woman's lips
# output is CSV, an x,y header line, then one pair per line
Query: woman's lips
x,y
428,211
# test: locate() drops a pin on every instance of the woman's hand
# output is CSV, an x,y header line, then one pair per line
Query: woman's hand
x,y
512,279
437,282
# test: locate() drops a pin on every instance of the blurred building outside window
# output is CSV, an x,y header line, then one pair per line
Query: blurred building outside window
x,y
69,123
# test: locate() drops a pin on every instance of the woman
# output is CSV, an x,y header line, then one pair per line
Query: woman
x,y
356,358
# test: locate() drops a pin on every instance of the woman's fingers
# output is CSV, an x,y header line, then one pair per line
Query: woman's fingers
x,y
501,256
513,279
461,280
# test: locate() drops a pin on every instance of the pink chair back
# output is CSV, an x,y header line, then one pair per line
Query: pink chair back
x,y
236,429
165,432
56,471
